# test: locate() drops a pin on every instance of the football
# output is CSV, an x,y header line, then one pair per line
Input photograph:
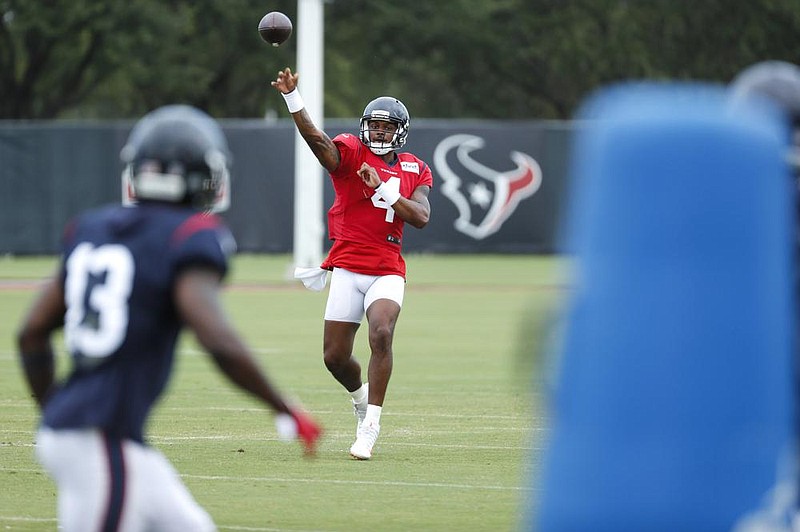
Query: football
x,y
275,28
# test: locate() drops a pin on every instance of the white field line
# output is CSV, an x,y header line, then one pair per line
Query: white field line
x,y
288,480
362,482
26,519
252,529
18,403
177,440
259,529
186,351
439,415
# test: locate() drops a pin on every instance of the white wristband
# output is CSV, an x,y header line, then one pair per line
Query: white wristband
x,y
293,101
390,195
286,427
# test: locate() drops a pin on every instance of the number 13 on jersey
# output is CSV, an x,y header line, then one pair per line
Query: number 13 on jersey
x,y
99,283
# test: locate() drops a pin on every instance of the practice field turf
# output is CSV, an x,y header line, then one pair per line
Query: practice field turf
x,y
461,428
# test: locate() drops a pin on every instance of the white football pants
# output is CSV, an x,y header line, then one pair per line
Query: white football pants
x,y
105,484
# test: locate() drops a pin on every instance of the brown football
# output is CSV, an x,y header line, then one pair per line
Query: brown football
x,y
275,28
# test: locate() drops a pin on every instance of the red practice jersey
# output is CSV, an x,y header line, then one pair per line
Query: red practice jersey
x,y
367,235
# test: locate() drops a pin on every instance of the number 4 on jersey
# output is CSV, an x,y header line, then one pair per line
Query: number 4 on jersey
x,y
392,184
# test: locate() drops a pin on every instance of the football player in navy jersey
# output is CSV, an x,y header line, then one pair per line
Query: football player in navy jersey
x,y
130,278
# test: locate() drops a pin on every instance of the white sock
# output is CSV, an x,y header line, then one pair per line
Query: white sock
x,y
359,396
373,414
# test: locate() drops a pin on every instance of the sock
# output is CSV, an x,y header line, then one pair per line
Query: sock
x,y
373,414
359,396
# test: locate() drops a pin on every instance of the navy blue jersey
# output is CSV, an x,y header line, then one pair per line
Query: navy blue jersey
x,y
119,268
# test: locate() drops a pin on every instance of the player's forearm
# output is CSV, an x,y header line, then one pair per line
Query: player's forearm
x,y
39,368
412,212
244,372
34,339
320,143
415,210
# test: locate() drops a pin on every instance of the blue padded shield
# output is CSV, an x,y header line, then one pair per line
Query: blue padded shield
x,y
671,408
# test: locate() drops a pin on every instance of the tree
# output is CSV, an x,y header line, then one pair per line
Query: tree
x,y
505,59
115,58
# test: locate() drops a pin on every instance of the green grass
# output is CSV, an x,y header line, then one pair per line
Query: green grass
x,y
460,428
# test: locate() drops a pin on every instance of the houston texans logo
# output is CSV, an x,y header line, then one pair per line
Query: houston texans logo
x,y
492,194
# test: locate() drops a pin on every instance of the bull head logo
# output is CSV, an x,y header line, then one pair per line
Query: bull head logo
x,y
493,194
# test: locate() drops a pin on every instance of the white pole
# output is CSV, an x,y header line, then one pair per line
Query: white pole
x,y
308,174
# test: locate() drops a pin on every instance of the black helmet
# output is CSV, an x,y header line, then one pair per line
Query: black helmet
x,y
777,81
179,154
387,109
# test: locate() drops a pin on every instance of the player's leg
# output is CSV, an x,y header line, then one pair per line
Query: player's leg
x,y
78,463
343,314
159,495
337,353
383,301
381,316
345,368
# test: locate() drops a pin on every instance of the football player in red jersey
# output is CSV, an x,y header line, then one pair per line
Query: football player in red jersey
x,y
378,190
130,280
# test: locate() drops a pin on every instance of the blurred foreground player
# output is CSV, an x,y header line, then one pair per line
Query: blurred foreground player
x,y
130,279
779,83
377,190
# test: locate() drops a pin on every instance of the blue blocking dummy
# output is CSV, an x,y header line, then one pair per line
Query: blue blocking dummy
x,y
671,408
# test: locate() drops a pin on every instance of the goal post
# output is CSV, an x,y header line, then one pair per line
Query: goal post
x,y
308,174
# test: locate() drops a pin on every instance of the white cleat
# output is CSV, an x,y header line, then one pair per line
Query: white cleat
x,y
365,441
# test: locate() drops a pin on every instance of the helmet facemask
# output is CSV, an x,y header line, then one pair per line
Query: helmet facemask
x,y
382,147
385,109
209,186
204,188
177,155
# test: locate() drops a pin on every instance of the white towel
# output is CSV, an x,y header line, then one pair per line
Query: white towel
x,y
313,278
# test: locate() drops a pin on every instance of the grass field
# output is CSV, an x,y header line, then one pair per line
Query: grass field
x,y
460,431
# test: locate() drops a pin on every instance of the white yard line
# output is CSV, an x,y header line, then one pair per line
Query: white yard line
x,y
52,520
289,480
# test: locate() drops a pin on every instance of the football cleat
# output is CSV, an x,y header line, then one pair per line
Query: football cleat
x,y
365,441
